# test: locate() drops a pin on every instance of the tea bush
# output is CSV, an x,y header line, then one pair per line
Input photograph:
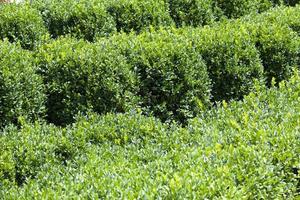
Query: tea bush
x,y
173,79
238,8
21,89
232,60
194,13
283,16
173,82
138,15
279,50
219,155
82,19
80,76
21,23
91,19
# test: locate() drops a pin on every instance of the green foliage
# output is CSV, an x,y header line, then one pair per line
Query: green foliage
x,y
137,15
279,49
21,90
265,133
238,8
91,19
21,23
82,19
191,12
254,154
80,76
232,60
283,16
173,82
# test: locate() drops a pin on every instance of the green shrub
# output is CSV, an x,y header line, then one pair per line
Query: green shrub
x,y
118,129
279,49
232,60
238,8
173,79
283,16
191,12
82,19
21,90
254,154
32,149
137,15
290,2
265,133
21,23
81,76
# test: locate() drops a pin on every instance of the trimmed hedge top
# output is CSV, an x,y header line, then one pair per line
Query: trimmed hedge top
x,y
22,23
21,90
88,20
254,154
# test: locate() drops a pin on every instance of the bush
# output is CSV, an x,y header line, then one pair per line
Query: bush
x,y
82,19
238,8
137,15
279,50
194,13
173,78
21,23
80,76
32,149
232,60
283,16
265,133
219,155
21,89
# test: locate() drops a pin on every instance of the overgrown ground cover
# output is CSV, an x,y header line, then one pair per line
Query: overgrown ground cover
x,y
150,99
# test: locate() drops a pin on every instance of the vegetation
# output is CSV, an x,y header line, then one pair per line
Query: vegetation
x,y
221,154
152,99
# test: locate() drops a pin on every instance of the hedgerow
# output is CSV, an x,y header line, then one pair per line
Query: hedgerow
x,y
138,15
238,8
218,155
173,73
283,16
232,60
279,50
81,19
21,89
173,82
90,19
80,76
192,13
21,23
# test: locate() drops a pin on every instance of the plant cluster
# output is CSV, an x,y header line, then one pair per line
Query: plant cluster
x,y
218,155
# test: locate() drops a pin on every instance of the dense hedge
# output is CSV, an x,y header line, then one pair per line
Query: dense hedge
x,y
279,50
90,19
136,15
219,155
21,90
195,13
173,82
80,76
82,19
173,79
173,73
283,16
238,8
21,23
232,60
